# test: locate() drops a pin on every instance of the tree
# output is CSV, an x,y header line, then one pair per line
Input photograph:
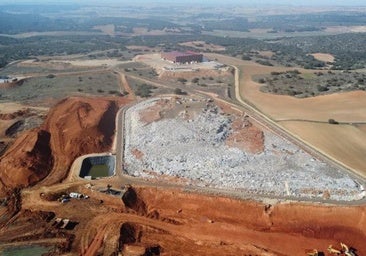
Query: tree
x,y
195,80
262,81
332,121
182,80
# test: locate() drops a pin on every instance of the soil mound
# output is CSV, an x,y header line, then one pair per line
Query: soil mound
x,y
266,229
80,126
74,127
133,201
28,160
246,136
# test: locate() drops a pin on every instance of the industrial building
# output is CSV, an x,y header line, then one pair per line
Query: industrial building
x,y
182,57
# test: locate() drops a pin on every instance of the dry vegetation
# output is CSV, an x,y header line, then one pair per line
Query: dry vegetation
x,y
346,107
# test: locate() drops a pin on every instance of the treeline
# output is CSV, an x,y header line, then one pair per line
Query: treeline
x,y
348,49
314,20
233,24
277,23
21,23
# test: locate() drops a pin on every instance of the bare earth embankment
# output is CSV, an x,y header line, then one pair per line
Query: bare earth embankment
x,y
67,133
167,221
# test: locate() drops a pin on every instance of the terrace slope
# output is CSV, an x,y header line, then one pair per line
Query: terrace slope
x,y
74,127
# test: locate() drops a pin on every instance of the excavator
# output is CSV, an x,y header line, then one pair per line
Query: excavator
x,y
333,251
345,251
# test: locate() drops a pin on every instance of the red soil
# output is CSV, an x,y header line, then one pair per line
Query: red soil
x,y
150,219
74,127
28,160
221,223
154,113
19,113
246,136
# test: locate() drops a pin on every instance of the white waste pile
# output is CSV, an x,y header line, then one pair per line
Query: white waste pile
x,y
195,150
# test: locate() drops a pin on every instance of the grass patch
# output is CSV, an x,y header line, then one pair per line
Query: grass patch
x,y
38,88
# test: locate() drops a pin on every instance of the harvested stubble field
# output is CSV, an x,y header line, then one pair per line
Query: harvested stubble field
x,y
344,107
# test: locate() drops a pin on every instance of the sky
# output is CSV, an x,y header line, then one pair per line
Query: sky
x,y
225,2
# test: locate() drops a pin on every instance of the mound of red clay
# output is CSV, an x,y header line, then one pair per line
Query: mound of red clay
x,y
246,136
74,127
28,160
234,227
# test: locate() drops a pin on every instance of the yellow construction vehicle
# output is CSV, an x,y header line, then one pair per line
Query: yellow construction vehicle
x,y
313,252
346,250
333,251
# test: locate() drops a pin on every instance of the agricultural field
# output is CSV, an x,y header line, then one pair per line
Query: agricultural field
x,y
312,114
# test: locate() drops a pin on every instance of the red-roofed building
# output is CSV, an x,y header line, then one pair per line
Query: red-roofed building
x,y
182,57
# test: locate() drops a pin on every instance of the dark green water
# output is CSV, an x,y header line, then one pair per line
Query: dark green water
x,y
26,250
99,170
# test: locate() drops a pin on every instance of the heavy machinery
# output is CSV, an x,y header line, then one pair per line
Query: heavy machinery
x,y
345,251
314,252
333,251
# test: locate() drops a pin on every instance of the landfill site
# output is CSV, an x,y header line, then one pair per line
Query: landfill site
x,y
193,142
170,202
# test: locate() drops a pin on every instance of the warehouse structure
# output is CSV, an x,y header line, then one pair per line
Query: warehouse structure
x,y
182,57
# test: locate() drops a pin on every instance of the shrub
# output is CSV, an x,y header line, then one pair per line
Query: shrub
x,y
179,91
246,57
322,88
182,80
262,81
144,90
195,80
332,121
